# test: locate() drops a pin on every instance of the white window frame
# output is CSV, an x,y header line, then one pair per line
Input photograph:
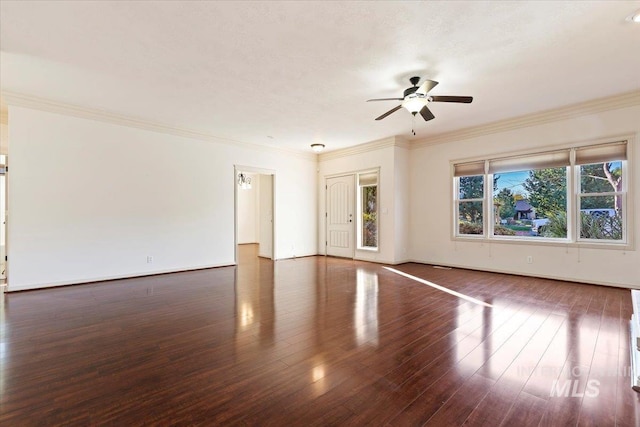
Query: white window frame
x,y
573,238
359,210
458,200
623,197
568,198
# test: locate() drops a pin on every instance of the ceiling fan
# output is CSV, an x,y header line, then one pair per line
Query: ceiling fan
x,y
416,98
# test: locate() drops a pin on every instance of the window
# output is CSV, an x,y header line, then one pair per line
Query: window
x,y
471,204
533,196
525,202
469,198
368,210
601,197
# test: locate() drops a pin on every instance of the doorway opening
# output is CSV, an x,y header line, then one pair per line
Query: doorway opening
x,y
254,210
3,218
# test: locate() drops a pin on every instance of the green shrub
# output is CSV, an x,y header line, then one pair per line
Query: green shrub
x,y
600,227
591,226
500,230
557,226
465,227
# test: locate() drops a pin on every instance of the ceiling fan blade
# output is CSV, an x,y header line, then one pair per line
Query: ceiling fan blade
x,y
393,110
385,99
426,86
426,114
463,99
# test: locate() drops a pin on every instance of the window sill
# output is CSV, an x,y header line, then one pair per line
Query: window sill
x,y
369,249
622,246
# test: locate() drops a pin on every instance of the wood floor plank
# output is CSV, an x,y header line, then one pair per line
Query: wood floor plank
x,y
456,410
599,402
627,400
526,411
492,409
316,341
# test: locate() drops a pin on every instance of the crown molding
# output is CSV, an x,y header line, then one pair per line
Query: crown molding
x,y
402,142
47,105
392,141
615,102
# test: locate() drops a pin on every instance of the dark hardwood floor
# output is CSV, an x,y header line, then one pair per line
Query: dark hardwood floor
x,y
317,341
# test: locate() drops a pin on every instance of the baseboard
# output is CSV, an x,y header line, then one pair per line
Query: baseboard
x,y
402,261
18,288
297,256
525,274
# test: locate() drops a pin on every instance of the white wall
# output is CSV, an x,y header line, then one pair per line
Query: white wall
x,y
248,211
431,205
91,200
401,204
391,200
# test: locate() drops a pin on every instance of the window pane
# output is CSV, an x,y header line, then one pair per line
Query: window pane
x,y
599,219
601,177
370,216
470,218
471,187
531,203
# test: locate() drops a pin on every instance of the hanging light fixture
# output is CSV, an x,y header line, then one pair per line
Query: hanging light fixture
x,y
244,181
414,103
317,147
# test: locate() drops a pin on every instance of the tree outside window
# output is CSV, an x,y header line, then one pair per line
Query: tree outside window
x,y
601,201
370,216
368,210
470,204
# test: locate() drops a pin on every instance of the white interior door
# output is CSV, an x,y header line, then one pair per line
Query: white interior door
x,y
340,216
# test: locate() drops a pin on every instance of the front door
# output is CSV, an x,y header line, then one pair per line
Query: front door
x,y
340,216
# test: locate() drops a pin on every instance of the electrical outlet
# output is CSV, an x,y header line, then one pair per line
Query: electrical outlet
x,y
529,259
149,259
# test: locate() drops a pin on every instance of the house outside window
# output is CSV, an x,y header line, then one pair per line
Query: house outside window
x,y
528,200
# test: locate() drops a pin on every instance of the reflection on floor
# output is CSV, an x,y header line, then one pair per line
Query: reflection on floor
x,y
317,341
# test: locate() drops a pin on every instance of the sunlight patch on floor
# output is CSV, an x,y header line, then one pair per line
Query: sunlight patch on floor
x,y
440,288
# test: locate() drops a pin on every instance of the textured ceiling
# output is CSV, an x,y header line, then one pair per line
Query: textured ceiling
x,y
293,73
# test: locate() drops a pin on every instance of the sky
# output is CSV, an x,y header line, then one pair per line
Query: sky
x,y
513,181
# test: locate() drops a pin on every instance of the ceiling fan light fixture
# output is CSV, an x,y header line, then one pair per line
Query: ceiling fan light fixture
x,y
414,104
415,99
635,17
317,147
